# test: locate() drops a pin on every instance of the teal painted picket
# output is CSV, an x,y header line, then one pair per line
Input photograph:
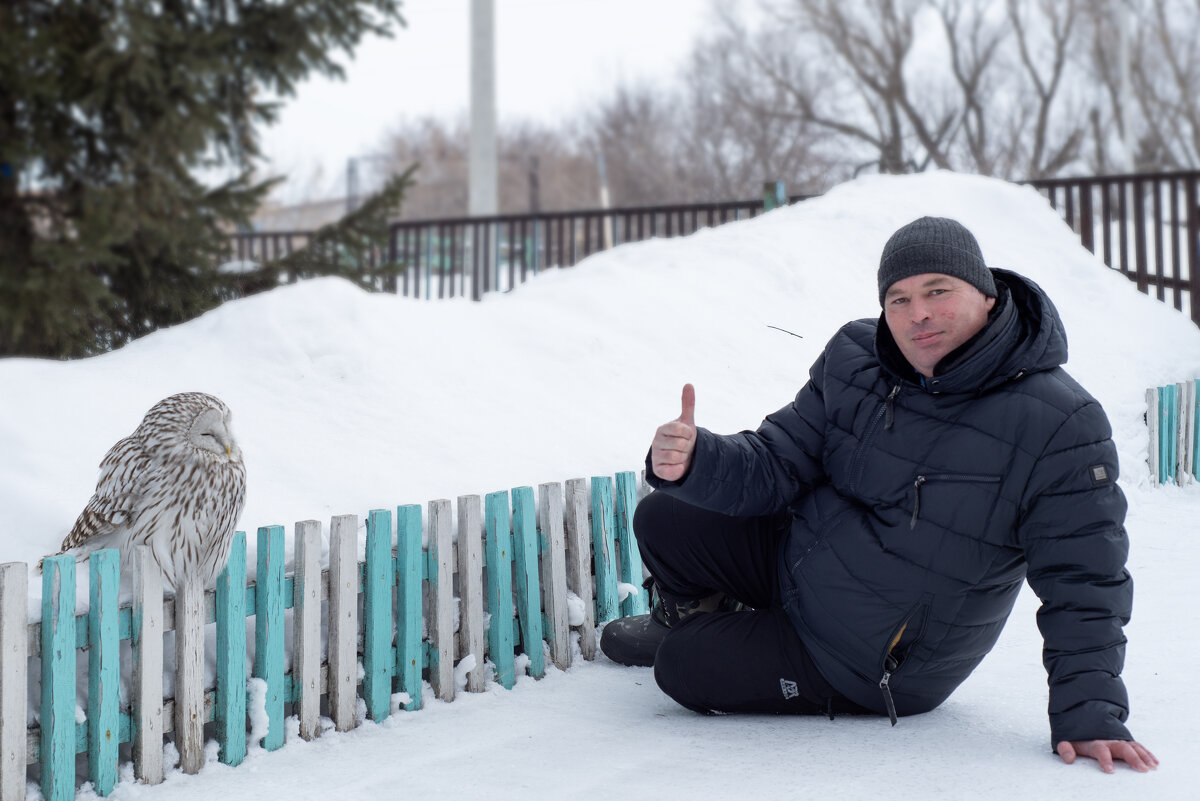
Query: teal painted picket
x,y
631,560
377,613
58,678
604,549
269,603
104,665
538,552
409,573
525,555
1173,422
498,561
230,709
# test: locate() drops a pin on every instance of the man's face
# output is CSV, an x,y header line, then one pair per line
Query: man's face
x,y
931,314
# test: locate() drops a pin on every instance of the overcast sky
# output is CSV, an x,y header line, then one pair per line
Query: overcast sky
x,y
554,59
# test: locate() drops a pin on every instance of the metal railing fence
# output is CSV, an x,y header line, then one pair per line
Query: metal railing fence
x,y
470,256
1145,225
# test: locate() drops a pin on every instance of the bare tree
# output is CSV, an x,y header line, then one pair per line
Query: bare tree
x,y
974,42
543,168
841,73
824,89
1051,147
739,128
1003,102
1166,77
635,136
539,168
872,40
1108,117
1154,104
439,150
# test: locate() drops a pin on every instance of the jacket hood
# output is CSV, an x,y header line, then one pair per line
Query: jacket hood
x,y
1023,336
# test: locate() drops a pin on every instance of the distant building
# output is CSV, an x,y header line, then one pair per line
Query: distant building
x,y
273,216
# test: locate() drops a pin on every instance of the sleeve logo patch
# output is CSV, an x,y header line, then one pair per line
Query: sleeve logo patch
x,y
1099,474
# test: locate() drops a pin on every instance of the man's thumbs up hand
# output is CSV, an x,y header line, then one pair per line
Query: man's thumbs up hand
x,y
675,442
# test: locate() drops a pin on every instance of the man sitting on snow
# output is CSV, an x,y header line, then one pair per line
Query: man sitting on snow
x,y
880,525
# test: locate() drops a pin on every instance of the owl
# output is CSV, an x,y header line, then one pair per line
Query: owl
x,y
176,484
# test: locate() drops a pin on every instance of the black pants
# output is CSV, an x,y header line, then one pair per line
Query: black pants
x,y
750,661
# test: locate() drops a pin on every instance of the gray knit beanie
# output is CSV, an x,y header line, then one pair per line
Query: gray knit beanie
x,y
934,245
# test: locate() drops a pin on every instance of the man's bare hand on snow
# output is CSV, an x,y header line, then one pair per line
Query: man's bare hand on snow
x,y
1106,752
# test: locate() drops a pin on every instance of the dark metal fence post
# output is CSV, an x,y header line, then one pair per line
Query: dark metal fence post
x,y
418,260
1106,220
486,255
1178,221
476,278
393,258
1193,245
1123,228
1139,234
1156,206
1086,234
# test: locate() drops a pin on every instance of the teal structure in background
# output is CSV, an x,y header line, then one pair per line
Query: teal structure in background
x,y
1173,423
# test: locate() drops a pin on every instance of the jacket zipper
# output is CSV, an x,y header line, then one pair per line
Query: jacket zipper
x,y
964,477
890,406
916,502
914,621
860,455
885,688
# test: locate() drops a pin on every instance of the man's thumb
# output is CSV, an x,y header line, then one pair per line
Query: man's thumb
x,y
689,406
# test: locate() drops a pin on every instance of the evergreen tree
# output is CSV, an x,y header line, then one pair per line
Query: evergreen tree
x,y
356,247
109,109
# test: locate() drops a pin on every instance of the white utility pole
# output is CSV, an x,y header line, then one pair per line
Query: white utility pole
x,y
482,192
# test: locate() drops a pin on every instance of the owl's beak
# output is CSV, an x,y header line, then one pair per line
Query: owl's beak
x,y
229,450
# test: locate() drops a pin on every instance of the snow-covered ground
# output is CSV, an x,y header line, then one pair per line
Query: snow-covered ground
x,y
345,402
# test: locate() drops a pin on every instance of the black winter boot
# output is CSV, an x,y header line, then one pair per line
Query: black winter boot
x,y
634,640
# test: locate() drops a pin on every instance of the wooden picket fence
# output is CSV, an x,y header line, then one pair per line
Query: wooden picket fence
x,y
508,550
1173,417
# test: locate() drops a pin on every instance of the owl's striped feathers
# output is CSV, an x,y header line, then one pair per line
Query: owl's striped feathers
x,y
177,484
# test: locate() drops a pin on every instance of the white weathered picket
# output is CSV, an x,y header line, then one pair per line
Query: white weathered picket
x,y
470,557
14,649
438,604
521,558
579,561
554,573
146,638
343,621
189,675
306,619
1173,424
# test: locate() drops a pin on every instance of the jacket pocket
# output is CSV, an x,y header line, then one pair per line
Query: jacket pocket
x,y
944,478
900,644
883,412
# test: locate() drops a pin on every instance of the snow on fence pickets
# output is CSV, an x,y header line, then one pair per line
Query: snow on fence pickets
x,y
406,629
1173,419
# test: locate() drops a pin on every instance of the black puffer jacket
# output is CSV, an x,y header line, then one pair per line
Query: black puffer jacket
x,y
919,506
